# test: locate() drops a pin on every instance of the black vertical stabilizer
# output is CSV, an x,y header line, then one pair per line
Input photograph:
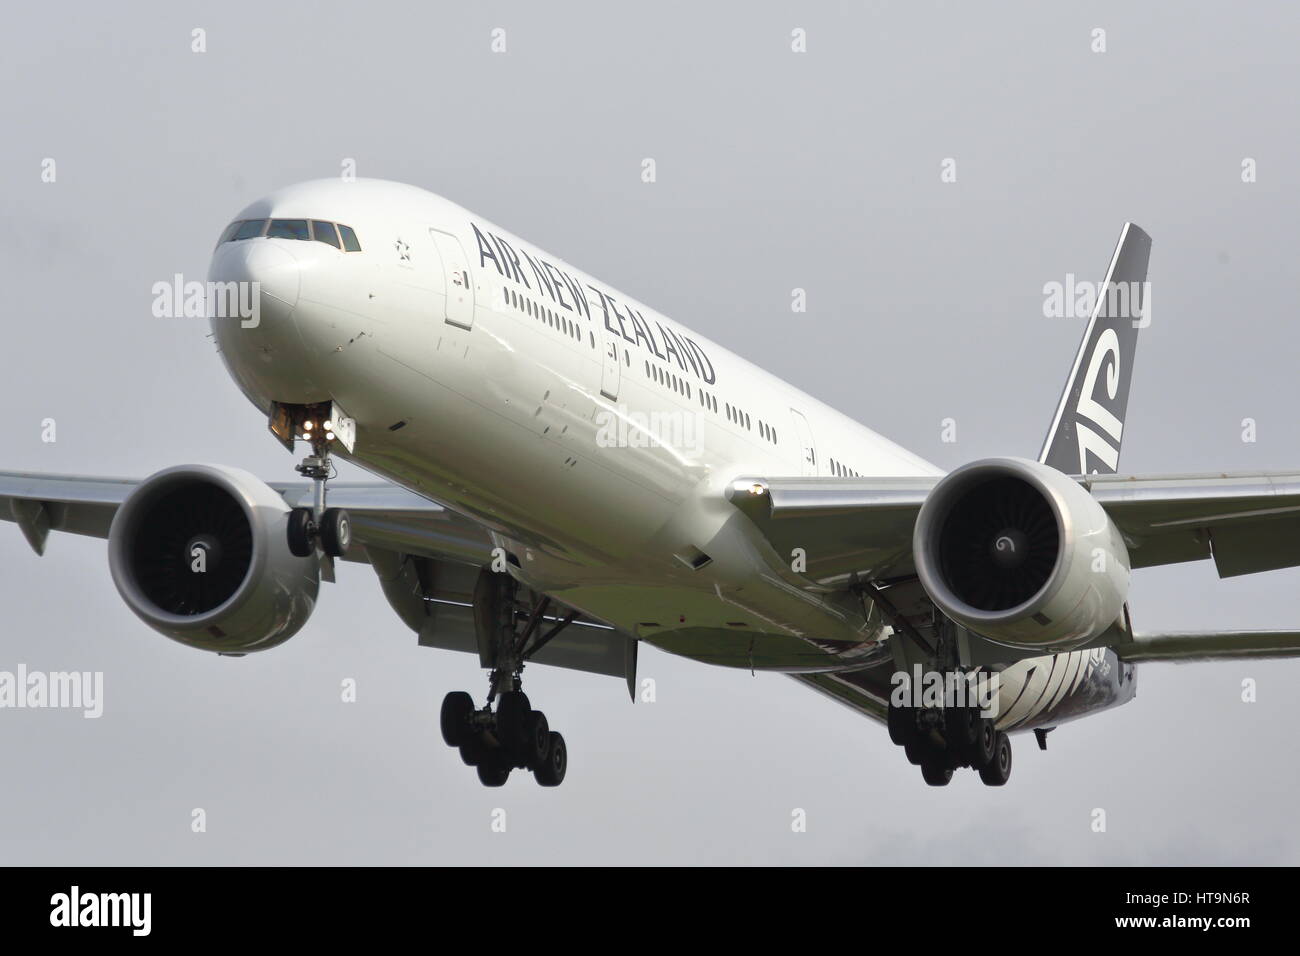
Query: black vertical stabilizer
x,y
1088,427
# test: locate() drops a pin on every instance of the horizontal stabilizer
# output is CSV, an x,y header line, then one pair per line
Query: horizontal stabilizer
x,y
1209,646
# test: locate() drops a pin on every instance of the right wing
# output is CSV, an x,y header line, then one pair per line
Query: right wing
x,y
384,515
427,557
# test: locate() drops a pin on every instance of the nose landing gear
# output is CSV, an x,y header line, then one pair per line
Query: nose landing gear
x,y
319,425
318,525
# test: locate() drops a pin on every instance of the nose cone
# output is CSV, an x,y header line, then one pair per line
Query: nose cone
x,y
270,266
275,269
263,352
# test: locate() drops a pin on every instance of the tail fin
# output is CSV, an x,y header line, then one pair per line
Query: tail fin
x,y
1089,424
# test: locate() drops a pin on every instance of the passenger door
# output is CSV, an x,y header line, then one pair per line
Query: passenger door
x,y
459,310
610,371
807,450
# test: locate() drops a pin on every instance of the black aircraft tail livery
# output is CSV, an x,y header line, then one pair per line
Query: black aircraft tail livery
x,y
1089,423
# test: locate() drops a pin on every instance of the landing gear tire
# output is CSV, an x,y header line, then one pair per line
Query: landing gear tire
x,y
550,772
335,532
537,740
984,749
454,718
902,724
493,773
473,750
998,772
936,774
961,725
916,751
512,717
301,531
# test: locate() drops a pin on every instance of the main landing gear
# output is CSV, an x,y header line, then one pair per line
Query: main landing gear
x,y
514,736
942,739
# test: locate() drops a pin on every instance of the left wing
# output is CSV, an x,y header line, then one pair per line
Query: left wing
x,y
1245,522
845,526
861,530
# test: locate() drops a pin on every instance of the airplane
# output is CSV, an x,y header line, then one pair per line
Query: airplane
x,y
566,473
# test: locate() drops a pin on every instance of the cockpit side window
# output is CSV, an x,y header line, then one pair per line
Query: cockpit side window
x,y
229,231
288,229
249,229
324,232
350,242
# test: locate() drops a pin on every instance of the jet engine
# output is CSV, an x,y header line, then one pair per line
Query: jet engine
x,y
1021,554
200,553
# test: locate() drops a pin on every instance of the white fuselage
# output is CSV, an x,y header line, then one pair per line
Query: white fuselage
x,y
592,436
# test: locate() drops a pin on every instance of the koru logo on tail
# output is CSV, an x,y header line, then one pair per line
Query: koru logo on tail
x,y
1107,346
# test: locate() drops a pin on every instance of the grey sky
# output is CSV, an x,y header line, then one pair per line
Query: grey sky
x,y
776,170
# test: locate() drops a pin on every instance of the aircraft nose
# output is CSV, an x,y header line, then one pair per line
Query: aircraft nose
x,y
262,350
270,266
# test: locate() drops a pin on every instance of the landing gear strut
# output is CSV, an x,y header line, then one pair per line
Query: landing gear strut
x,y
954,732
514,736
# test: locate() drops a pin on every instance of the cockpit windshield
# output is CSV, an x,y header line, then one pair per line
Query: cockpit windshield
x,y
288,229
325,232
333,234
249,229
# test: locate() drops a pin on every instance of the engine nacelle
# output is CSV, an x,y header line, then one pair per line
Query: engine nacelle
x,y
200,553
1021,554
